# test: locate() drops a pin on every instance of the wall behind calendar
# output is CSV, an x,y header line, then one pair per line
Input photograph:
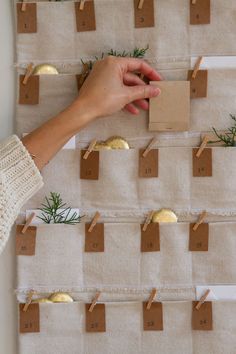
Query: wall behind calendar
x,y
8,317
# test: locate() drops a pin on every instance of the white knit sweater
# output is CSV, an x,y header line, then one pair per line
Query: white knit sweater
x,y
19,180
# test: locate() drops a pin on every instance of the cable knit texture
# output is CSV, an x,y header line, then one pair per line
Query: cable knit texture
x,y
19,180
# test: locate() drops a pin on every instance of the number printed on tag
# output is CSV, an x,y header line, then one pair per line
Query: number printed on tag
x,y
198,86
89,168
94,240
202,318
96,320
202,166
153,318
30,319
150,239
85,19
148,165
144,17
198,240
27,20
25,243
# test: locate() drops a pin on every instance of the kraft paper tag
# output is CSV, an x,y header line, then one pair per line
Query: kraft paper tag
x,y
202,166
144,17
153,318
150,239
29,93
148,165
94,240
25,243
200,13
170,111
85,19
202,318
96,320
198,86
27,20
198,240
89,169
29,320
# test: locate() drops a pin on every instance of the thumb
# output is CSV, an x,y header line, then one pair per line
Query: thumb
x,y
143,91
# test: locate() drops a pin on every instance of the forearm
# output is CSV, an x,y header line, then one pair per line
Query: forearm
x,y
44,142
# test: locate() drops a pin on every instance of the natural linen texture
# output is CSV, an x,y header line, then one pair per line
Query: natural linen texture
x,y
63,329
58,91
60,260
120,189
57,37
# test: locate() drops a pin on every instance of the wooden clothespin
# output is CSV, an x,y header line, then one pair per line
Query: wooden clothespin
x,y
28,222
81,5
94,221
23,6
151,298
200,220
197,67
90,149
95,300
149,147
148,220
28,73
202,146
202,299
194,2
140,4
29,300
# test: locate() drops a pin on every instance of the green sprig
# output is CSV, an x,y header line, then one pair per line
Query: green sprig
x,y
227,138
50,211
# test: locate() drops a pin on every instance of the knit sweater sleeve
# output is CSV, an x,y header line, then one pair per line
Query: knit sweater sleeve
x,y
20,179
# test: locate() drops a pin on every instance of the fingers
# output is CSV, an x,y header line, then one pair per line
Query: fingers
x,y
143,104
142,91
133,64
130,107
131,79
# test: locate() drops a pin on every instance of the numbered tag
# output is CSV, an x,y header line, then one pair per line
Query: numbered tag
x,y
29,320
25,243
27,20
94,240
85,19
202,318
89,168
198,86
150,239
202,166
153,318
198,240
96,320
148,165
200,12
29,93
144,17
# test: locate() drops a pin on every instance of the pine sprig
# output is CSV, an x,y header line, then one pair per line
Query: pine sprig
x,y
51,213
227,138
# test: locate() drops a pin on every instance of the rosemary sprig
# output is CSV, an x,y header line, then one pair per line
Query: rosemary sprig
x,y
88,65
136,53
50,211
227,138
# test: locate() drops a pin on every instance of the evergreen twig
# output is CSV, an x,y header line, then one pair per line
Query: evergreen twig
x,y
51,213
227,138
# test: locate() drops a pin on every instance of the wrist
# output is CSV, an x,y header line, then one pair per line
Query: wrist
x,y
80,113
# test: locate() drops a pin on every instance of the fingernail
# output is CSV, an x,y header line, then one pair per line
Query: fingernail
x,y
156,91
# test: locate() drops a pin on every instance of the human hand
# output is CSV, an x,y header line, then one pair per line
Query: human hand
x,y
113,85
